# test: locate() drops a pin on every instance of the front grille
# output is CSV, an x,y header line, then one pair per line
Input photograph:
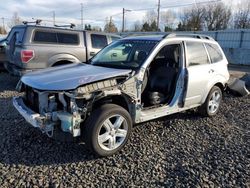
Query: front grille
x,y
31,99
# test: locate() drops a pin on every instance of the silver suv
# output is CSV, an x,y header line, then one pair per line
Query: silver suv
x,y
133,80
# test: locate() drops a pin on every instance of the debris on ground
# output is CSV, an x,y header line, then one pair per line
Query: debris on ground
x,y
240,86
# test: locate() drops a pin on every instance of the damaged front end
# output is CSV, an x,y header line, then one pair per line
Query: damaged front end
x,y
49,110
65,111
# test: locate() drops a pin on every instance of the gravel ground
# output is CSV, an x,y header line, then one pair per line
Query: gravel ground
x,y
183,150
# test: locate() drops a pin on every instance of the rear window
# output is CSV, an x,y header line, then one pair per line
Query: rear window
x,y
99,41
196,54
16,35
214,52
45,37
67,38
56,38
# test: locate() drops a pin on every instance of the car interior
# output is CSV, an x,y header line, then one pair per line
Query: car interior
x,y
160,78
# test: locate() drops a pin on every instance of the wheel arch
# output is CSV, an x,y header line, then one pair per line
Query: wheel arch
x,y
119,100
218,84
62,58
62,62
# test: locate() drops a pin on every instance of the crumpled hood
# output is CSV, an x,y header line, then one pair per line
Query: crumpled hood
x,y
69,77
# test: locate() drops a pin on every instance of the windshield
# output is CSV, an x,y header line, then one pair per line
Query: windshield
x,y
124,54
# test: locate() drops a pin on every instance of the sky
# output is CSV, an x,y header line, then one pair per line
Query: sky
x,y
95,12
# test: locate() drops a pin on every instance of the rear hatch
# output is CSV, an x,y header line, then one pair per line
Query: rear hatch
x,y
14,45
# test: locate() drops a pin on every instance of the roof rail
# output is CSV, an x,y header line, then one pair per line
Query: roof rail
x,y
71,25
37,22
190,35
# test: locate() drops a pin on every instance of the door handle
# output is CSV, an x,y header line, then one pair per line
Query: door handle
x,y
92,53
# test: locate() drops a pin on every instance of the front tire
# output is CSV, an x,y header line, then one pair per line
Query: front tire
x,y
212,103
107,129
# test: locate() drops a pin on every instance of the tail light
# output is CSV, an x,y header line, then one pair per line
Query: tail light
x,y
27,55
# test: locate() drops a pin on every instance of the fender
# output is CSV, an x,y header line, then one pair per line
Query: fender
x,y
217,80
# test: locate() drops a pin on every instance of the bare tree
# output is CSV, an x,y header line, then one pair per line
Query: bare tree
x,y
168,18
110,26
192,19
242,16
217,16
137,26
15,20
150,17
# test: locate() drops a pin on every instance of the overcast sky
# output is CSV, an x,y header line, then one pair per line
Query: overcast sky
x,y
95,12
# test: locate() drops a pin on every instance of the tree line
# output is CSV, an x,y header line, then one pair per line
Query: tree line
x,y
206,17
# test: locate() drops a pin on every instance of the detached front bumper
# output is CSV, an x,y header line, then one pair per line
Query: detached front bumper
x,y
35,119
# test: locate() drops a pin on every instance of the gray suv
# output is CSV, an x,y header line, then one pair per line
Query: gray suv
x,y
32,47
132,80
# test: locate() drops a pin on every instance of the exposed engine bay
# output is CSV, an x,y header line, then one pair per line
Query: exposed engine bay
x,y
66,110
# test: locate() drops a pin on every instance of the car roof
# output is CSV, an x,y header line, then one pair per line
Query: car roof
x,y
182,36
65,29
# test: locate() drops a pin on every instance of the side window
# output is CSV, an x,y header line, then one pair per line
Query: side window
x,y
169,55
214,52
66,38
45,37
99,41
196,54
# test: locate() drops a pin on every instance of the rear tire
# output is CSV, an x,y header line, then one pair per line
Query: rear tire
x,y
212,104
107,129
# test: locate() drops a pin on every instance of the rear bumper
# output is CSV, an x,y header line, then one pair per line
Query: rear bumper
x,y
15,70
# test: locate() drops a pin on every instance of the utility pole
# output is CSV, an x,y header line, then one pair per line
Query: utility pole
x,y
54,18
82,15
123,18
158,14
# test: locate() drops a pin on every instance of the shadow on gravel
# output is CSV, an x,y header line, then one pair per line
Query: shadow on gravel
x,y
25,145
7,82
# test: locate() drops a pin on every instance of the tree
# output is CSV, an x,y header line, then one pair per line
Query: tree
x,y
217,16
150,17
242,16
192,19
3,31
168,19
146,27
96,28
87,27
137,26
149,27
110,26
15,20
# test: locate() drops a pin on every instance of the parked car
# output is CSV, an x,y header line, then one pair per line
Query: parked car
x,y
3,58
33,47
132,80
